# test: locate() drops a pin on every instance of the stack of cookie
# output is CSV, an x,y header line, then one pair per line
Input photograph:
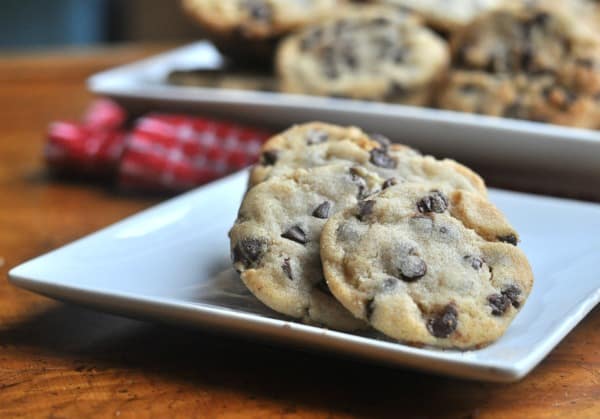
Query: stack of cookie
x,y
535,60
250,29
346,230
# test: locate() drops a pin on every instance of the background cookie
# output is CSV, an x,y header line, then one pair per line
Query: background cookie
x,y
370,52
275,240
427,266
531,38
539,98
447,15
316,144
250,29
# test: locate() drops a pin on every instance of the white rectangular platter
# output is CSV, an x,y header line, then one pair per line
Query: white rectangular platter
x,y
171,263
528,153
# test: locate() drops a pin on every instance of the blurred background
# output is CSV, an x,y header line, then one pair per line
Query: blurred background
x,y
36,24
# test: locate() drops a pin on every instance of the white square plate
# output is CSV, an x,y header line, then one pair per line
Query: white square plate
x,y
171,263
509,147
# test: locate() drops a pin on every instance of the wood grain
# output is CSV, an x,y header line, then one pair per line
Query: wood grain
x,y
59,360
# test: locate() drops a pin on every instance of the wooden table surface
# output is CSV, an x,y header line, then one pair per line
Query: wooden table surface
x,y
60,360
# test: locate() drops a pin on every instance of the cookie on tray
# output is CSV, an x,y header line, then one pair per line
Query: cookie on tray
x,y
316,144
275,239
447,15
533,39
370,52
250,29
536,98
427,265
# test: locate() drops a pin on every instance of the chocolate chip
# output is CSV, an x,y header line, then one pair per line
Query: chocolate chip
x,y
389,182
585,62
369,308
258,10
340,27
547,92
509,238
322,211
396,90
569,99
389,284
380,158
444,323
365,208
512,292
349,58
412,268
381,139
559,97
514,110
269,157
360,182
248,251
399,56
316,137
490,65
468,88
475,261
329,64
499,304
380,21
526,58
287,268
311,39
296,234
541,18
384,46
434,202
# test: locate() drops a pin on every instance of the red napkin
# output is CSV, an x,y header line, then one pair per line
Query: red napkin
x,y
163,152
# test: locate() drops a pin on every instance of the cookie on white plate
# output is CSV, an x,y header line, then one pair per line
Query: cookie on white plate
x,y
275,239
427,265
316,144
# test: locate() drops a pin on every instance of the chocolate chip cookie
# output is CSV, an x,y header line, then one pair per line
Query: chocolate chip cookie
x,y
275,239
427,265
251,28
317,144
533,39
537,98
369,52
448,15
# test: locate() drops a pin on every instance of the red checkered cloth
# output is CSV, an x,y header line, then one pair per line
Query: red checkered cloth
x,y
162,153
92,147
75,148
105,114
176,153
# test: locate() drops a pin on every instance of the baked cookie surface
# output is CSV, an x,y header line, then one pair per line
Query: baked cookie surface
x,y
275,239
448,15
533,39
316,144
370,52
427,265
258,19
537,98
250,29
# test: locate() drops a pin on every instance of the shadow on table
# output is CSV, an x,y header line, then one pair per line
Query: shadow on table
x,y
106,184
96,341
